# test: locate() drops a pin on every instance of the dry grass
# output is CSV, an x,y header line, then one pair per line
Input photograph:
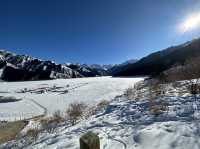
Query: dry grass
x,y
10,130
75,112
50,124
158,109
130,92
102,104
57,115
155,97
33,133
94,109
136,92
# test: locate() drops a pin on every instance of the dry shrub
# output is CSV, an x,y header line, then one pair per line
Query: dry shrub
x,y
158,109
92,110
156,92
50,124
194,88
57,115
102,104
188,71
75,112
33,133
130,93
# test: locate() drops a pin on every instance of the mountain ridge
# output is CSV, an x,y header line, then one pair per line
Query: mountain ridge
x,y
27,68
157,62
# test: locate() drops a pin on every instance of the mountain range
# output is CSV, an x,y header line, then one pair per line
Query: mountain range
x,y
157,62
14,67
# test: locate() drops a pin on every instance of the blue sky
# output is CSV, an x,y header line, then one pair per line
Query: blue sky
x,y
93,31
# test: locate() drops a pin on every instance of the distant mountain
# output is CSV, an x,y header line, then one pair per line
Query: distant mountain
x,y
131,61
157,62
115,69
22,67
88,70
101,67
15,67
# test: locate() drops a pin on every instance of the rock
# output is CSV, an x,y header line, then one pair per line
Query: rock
x,y
89,141
11,73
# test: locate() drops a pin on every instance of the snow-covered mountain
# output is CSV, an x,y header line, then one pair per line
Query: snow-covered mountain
x,y
131,61
104,67
120,67
28,68
88,70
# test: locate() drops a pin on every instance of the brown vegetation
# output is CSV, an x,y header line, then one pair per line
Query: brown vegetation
x,y
10,130
156,105
33,133
75,112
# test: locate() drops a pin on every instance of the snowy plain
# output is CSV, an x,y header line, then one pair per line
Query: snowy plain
x,y
45,97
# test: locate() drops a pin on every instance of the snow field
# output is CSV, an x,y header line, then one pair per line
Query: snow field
x,y
45,97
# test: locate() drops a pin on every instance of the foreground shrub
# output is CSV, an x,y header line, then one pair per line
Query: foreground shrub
x,y
33,133
50,124
130,93
102,104
57,115
75,112
94,109
158,109
156,93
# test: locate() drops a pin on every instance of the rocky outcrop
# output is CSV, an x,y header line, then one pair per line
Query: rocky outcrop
x,y
2,62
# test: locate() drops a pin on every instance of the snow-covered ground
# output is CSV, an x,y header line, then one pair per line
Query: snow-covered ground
x,y
129,124
45,97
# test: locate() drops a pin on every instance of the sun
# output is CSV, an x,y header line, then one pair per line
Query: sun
x,y
190,23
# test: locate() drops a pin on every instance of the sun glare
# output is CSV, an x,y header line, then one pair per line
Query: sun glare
x,y
190,23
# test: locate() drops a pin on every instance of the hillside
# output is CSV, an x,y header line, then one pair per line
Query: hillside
x,y
157,62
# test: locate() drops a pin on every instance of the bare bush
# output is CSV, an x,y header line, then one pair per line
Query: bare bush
x,y
75,112
156,93
57,115
33,133
190,72
50,124
130,93
136,92
158,109
92,110
102,104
